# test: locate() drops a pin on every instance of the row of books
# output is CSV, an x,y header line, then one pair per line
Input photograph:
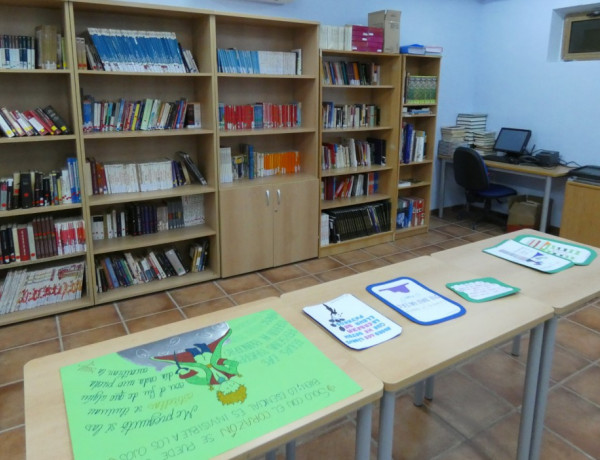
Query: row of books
x,y
127,269
142,115
410,212
351,73
25,289
115,50
249,164
420,89
259,115
42,237
111,178
17,52
358,221
351,38
145,218
42,51
36,122
349,115
259,62
352,153
337,187
413,144
29,189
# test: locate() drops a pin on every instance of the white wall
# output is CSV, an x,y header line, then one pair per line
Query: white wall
x,y
500,57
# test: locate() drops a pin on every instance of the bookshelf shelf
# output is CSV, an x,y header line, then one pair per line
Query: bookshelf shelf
x,y
155,286
353,170
420,173
35,139
149,133
265,76
45,310
126,243
103,73
36,71
265,132
18,265
116,198
41,210
386,97
352,201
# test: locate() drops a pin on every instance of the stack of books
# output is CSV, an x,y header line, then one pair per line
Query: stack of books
x,y
453,133
484,141
472,122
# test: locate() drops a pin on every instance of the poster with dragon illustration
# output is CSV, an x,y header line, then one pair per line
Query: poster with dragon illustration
x,y
200,393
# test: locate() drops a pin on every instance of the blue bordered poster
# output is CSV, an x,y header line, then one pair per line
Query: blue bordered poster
x,y
416,301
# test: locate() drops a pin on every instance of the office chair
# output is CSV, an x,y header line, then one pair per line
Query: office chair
x,y
470,172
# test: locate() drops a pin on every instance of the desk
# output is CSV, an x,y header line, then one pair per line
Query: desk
x,y
46,425
536,172
422,351
563,291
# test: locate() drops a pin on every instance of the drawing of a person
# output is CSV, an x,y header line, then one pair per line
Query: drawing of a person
x,y
204,365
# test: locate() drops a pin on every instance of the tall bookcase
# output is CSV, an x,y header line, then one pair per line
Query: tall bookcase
x,y
194,30
385,96
415,177
23,90
270,221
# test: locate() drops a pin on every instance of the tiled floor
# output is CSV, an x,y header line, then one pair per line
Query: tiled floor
x,y
475,412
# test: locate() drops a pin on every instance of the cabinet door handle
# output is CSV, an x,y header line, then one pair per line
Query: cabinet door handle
x,y
268,194
278,197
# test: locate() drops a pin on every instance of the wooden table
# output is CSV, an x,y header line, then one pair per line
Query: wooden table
x,y
46,425
563,291
421,351
532,171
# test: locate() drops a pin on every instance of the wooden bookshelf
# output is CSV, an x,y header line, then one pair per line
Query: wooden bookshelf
x,y
270,221
418,173
385,95
26,89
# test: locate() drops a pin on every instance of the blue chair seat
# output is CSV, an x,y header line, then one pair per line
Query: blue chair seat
x,y
497,191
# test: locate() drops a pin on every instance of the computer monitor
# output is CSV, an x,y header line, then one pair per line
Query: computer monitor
x,y
512,141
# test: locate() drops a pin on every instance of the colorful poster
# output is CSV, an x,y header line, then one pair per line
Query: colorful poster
x,y
523,254
200,393
353,322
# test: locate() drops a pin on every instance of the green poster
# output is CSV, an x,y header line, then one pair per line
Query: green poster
x,y
198,394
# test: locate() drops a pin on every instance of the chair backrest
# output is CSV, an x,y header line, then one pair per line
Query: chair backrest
x,y
470,171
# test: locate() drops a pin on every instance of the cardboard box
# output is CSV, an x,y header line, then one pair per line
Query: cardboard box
x,y
389,21
524,211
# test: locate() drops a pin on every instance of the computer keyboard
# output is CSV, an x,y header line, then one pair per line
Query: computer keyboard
x,y
501,158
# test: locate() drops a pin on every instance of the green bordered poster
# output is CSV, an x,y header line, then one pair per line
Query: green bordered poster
x,y
523,254
579,255
200,393
482,289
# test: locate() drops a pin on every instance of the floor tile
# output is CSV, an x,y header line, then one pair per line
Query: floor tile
x,y
499,373
13,360
150,321
588,317
79,339
383,249
241,283
35,330
13,443
319,265
11,406
335,274
196,293
579,339
576,420
145,305
285,273
88,318
466,405
369,265
353,257
297,283
207,306
399,257
586,384
455,230
255,294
